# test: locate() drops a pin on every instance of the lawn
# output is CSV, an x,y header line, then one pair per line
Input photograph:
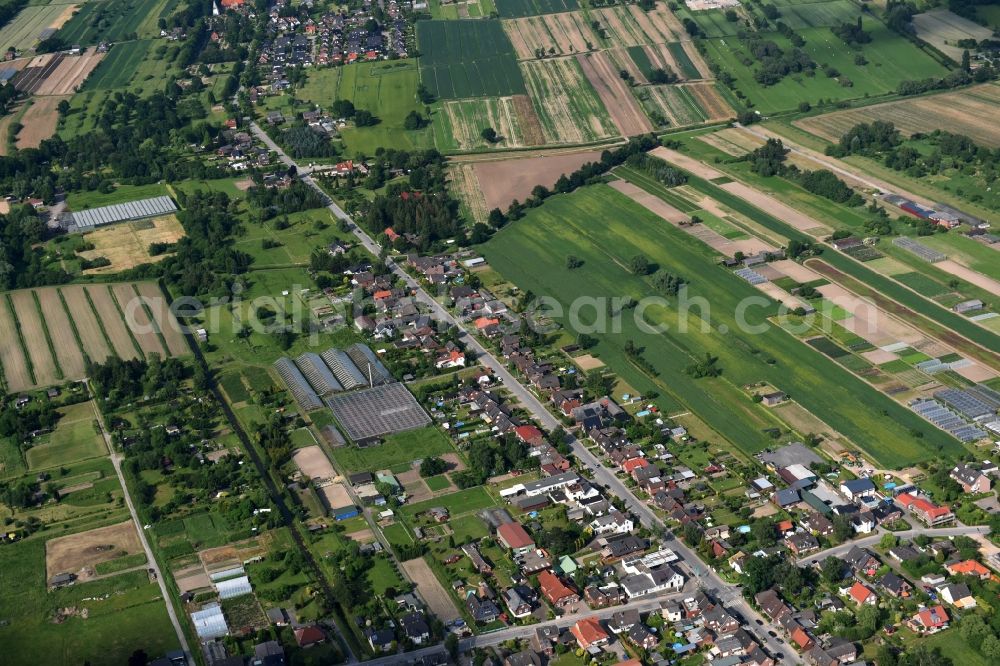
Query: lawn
x,y
438,483
532,254
891,59
467,59
125,613
462,502
74,438
399,448
383,575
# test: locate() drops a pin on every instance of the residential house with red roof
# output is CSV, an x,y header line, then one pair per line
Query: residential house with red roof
x,y
515,537
589,632
861,595
556,591
929,620
925,510
967,568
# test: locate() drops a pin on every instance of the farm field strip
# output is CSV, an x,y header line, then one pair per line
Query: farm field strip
x,y
33,330
132,307
941,29
465,184
16,369
567,105
624,59
118,66
522,8
22,32
970,112
684,104
630,26
39,121
70,74
164,319
626,228
614,93
461,59
566,33
466,120
930,317
61,331
113,21
80,312
501,181
107,312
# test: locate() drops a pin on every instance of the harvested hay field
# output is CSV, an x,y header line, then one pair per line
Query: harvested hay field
x,y
126,245
70,554
467,118
430,590
568,106
69,76
565,33
108,315
651,202
61,329
94,344
138,320
165,320
942,29
465,185
614,93
503,181
33,330
785,213
39,121
971,112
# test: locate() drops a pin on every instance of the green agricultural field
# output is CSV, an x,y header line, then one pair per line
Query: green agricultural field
x,y
456,10
458,125
798,14
121,193
891,59
395,450
467,59
438,483
532,254
73,439
22,31
124,613
119,65
519,8
386,89
113,20
688,69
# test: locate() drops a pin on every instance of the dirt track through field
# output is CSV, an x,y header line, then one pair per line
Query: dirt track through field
x,y
67,349
111,319
39,121
505,180
15,366
169,326
137,319
34,337
614,93
94,345
431,590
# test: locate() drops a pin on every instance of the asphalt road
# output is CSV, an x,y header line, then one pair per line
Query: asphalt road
x,y
838,551
116,461
707,578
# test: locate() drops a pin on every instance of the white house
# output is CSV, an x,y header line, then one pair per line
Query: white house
x,y
612,523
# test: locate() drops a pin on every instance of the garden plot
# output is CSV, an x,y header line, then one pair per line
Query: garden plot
x,y
34,333
942,29
111,320
85,322
568,107
971,112
138,320
552,34
164,318
614,93
16,372
61,329
77,552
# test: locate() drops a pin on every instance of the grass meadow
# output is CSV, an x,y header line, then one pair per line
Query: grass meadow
x,y
532,254
397,449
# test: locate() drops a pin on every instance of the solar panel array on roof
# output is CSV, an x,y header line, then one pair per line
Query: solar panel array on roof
x,y
344,369
364,357
377,411
235,587
751,276
297,384
209,622
131,210
318,374
947,420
